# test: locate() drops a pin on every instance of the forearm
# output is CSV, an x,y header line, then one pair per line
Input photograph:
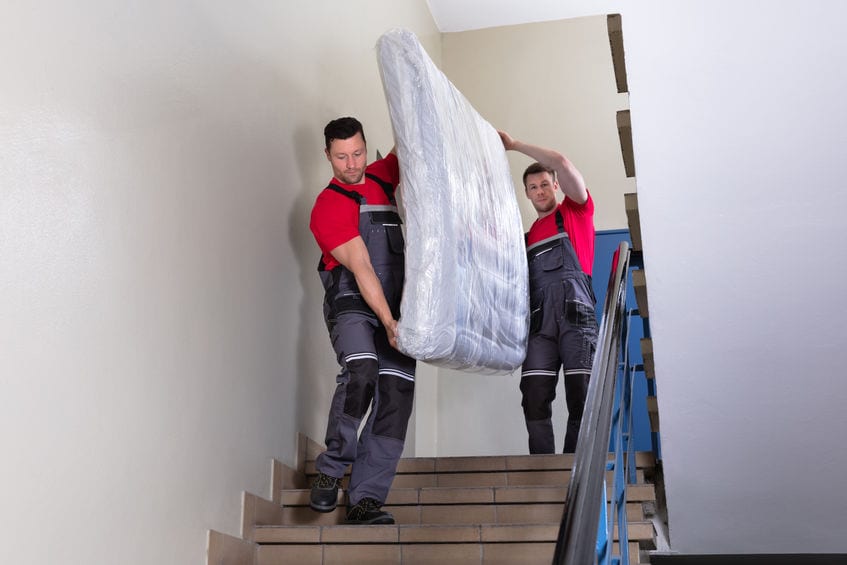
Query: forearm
x,y
547,157
372,293
569,177
354,256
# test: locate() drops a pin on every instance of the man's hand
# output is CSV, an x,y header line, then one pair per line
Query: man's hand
x,y
508,140
391,332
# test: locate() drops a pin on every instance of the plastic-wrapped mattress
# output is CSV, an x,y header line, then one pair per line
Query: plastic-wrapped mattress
x,y
465,298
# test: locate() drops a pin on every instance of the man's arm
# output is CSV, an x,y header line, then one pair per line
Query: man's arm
x,y
354,256
569,177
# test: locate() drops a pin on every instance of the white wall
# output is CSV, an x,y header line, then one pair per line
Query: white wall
x,y
160,333
739,133
551,84
739,130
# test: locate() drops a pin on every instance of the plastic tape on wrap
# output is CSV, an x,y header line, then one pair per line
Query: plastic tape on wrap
x,y
465,298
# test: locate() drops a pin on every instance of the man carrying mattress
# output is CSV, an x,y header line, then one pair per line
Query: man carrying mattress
x,y
357,227
563,327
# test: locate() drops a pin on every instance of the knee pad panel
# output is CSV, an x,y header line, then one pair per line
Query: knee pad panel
x,y
396,398
576,391
538,391
360,386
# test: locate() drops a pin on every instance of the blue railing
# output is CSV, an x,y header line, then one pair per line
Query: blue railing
x,y
622,444
607,416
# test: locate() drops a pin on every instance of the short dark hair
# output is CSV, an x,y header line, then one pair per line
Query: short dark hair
x,y
343,128
536,168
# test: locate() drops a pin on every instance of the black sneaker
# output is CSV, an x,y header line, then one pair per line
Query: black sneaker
x,y
324,496
367,511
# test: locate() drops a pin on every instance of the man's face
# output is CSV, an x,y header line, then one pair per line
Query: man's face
x,y
541,191
348,158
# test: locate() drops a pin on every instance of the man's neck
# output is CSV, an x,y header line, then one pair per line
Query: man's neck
x,y
542,215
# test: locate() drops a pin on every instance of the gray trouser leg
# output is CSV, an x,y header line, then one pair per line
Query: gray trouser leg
x,y
353,394
541,438
381,443
374,376
375,466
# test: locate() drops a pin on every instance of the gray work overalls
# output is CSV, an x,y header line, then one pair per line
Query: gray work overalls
x,y
373,374
563,332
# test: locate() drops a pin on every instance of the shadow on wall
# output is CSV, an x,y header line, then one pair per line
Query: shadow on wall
x,y
315,366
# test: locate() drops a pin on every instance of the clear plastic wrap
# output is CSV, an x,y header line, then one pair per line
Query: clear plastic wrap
x,y
465,300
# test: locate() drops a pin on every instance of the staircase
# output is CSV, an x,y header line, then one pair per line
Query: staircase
x,y
449,510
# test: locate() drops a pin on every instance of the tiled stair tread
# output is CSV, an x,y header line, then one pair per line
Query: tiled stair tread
x,y
414,533
485,479
503,514
494,463
449,514
439,515
527,553
475,495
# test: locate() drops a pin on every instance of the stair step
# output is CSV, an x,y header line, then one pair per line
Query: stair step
x,y
625,136
428,533
466,514
463,514
639,285
458,510
440,553
495,463
484,479
475,495
442,514
647,356
653,412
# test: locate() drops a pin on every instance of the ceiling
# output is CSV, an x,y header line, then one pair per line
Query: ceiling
x,y
462,15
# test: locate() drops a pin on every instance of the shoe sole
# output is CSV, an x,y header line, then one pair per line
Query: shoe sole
x,y
381,521
324,509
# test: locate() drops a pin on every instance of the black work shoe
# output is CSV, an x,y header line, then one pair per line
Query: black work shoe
x,y
324,497
367,511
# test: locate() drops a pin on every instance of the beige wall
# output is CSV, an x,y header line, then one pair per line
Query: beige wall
x,y
160,333
551,84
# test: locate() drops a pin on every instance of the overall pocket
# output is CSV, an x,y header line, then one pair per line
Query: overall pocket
x,y
536,311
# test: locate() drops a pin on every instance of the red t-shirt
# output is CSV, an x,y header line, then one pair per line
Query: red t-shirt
x,y
335,217
579,224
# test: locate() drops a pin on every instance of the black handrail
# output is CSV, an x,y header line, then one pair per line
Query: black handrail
x,y
577,537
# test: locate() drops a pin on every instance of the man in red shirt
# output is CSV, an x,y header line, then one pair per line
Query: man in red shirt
x,y
563,326
362,267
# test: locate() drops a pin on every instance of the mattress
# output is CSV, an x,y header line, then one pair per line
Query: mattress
x,y
465,298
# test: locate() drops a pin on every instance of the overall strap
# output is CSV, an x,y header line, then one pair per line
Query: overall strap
x,y
348,193
387,188
560,221
560,227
